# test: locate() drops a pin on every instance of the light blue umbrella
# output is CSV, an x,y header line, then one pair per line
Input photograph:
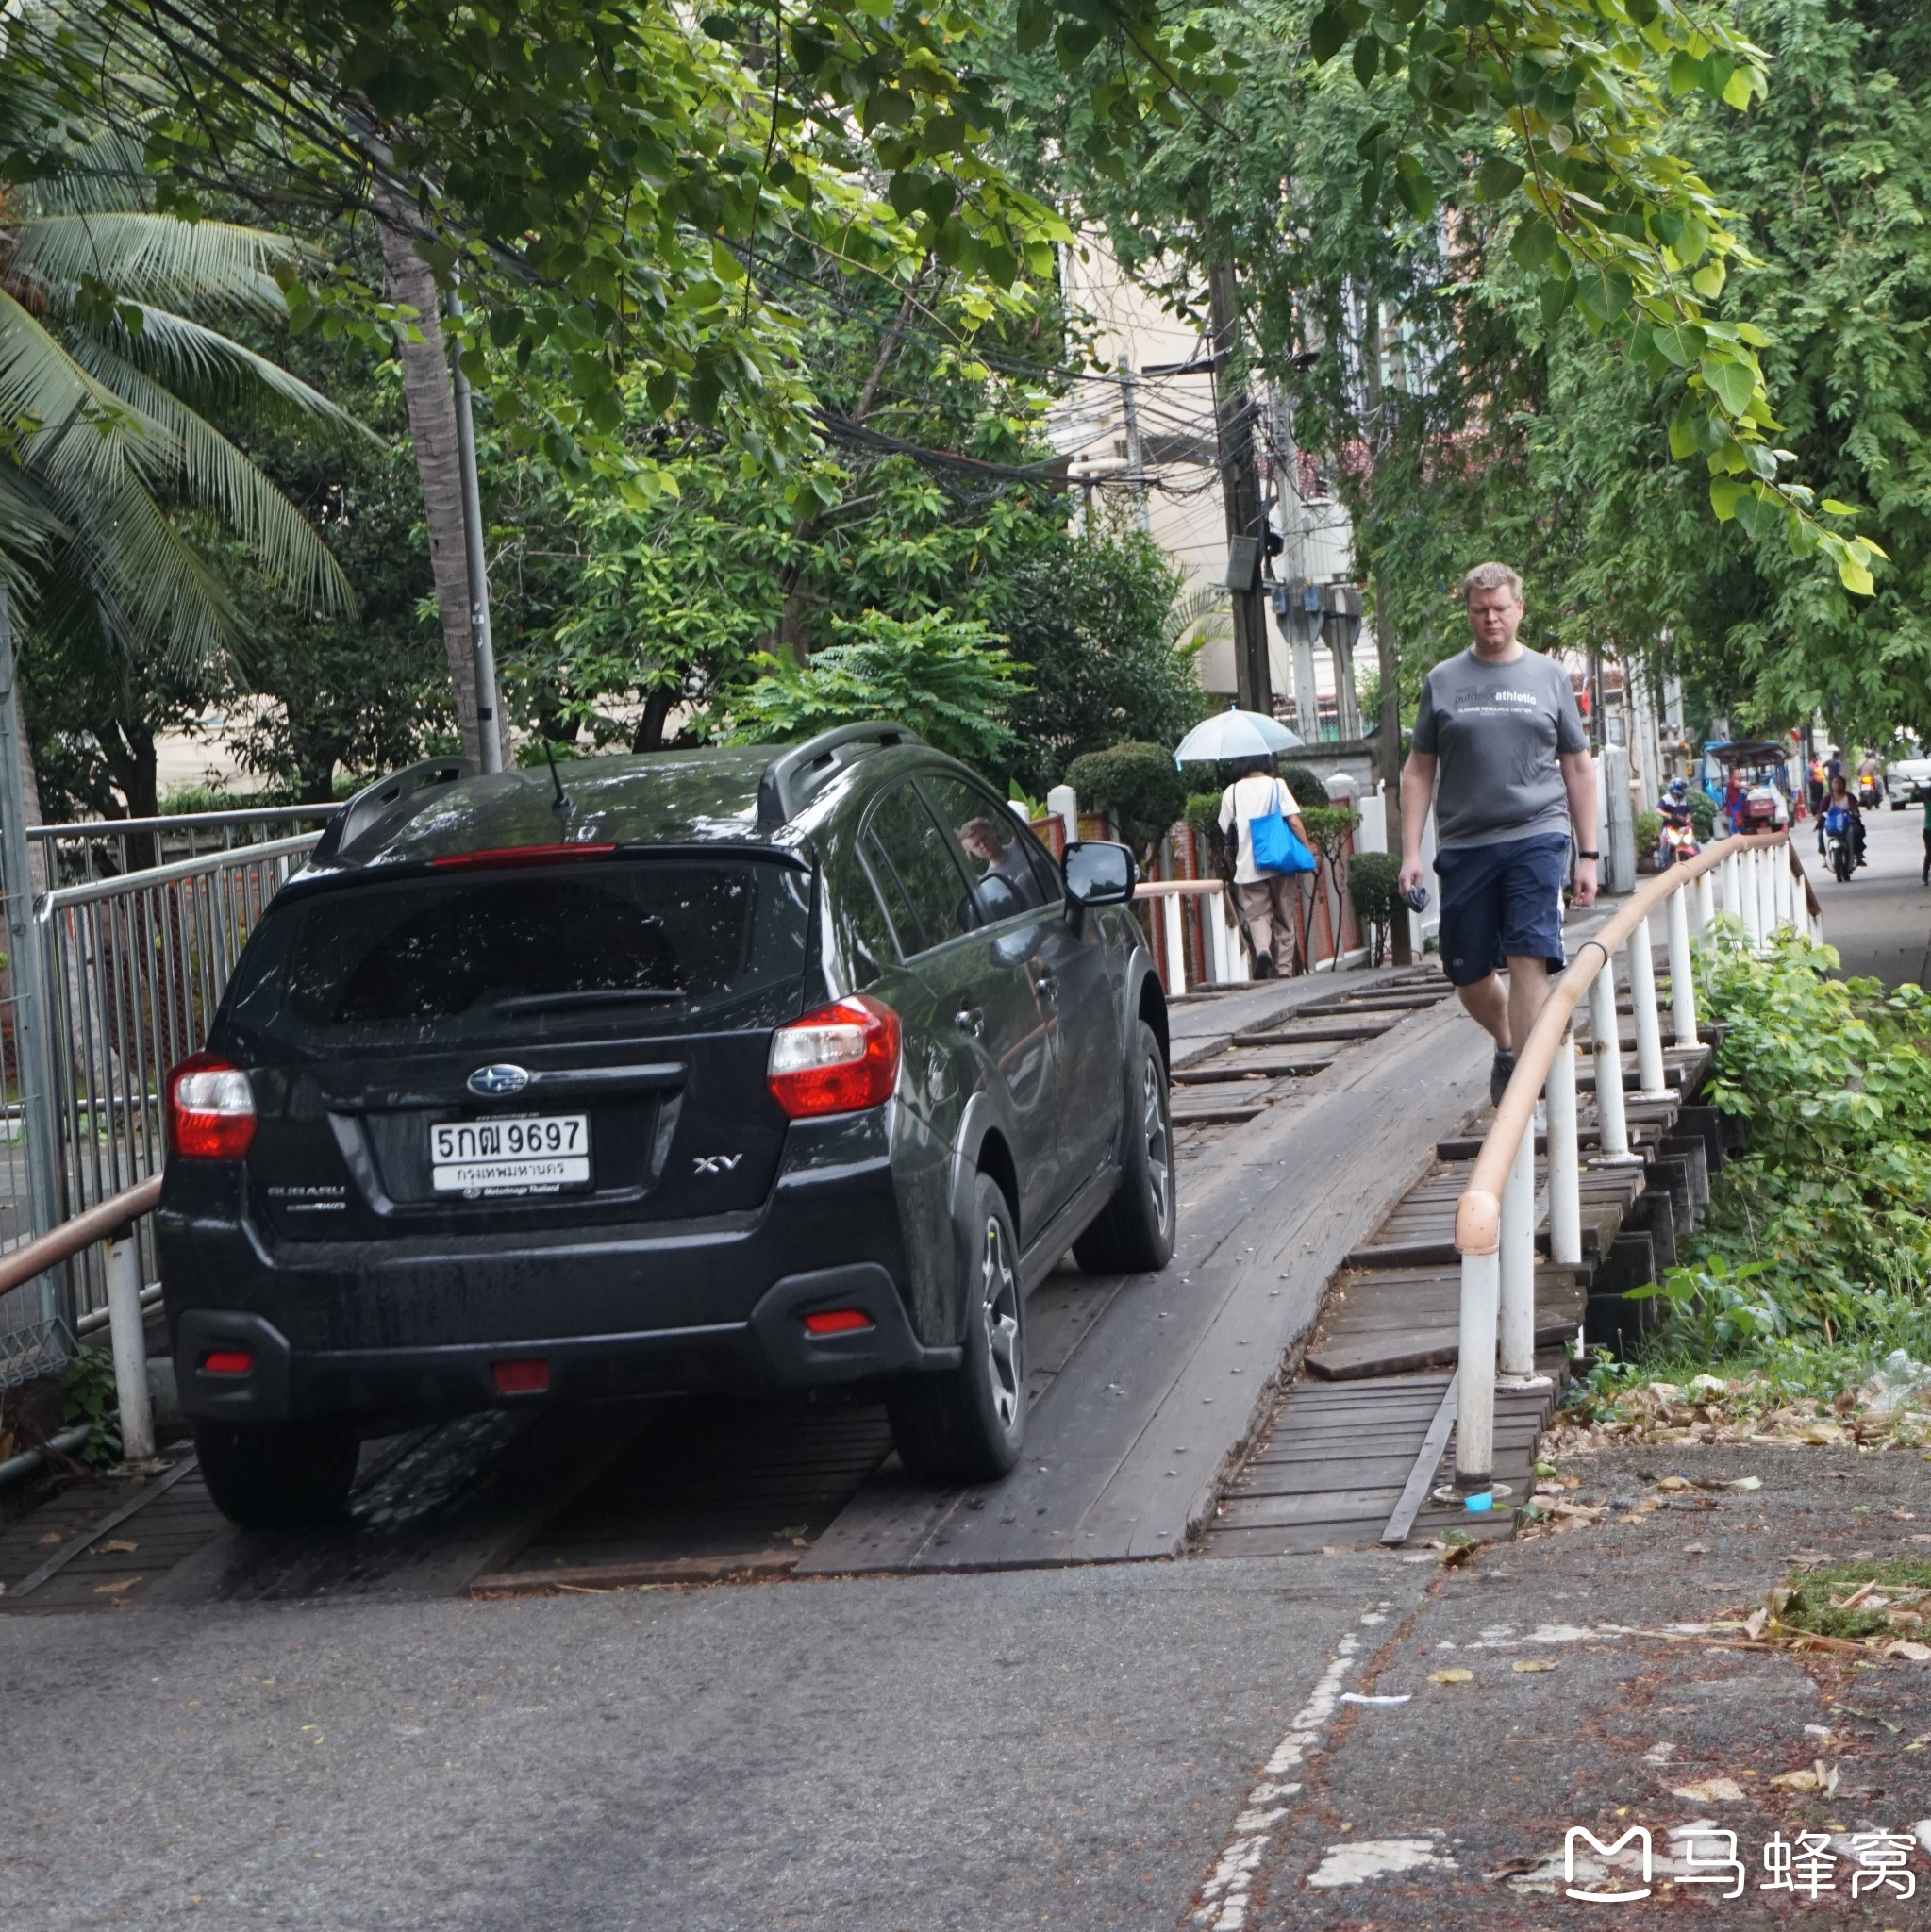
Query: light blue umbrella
x,y
1235,734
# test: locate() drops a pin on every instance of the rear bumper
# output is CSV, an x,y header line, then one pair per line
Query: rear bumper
x,y
415,1328
772,1347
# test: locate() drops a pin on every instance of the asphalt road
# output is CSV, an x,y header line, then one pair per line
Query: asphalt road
x,y
1064,1748
1880,921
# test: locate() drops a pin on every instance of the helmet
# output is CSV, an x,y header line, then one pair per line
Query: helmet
x,y
1677,790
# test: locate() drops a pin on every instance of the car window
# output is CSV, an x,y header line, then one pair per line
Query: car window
x,y
867,936
513,954
921,873
991,844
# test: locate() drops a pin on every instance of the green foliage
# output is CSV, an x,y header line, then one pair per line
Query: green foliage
x,y
1137,785
1202,815
1703,815
1649,831
1304,788
88,1395
945,676
1816,1259
1373,878
1328,826
1813,1598
1093,617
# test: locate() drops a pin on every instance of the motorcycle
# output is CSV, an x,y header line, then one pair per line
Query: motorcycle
x,y
1869,793
1840,855
1678,841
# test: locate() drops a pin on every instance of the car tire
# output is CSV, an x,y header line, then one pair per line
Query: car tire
x,y
277,1475
1132,1234
966,1425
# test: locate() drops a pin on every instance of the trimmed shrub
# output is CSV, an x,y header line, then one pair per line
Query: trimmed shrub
x,y
1373,878
1136,784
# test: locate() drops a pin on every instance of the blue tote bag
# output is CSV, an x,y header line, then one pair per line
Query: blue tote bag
x,y
1273,843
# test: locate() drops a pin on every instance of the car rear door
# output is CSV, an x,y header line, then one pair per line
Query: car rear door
x,y
984,992
1073,974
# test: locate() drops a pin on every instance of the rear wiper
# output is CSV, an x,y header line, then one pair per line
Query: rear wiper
x,y
614,995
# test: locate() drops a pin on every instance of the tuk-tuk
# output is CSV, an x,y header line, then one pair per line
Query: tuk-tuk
x,y
1750,775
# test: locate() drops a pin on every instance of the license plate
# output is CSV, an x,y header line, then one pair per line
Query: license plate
x,y
534,1153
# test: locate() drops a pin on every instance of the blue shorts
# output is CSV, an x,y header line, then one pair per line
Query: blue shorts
x,y
1502,902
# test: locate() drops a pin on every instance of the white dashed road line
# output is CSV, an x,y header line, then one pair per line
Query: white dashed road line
x,y
1226,1896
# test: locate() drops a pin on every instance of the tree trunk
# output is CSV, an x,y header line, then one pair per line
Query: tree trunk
x,y
432,430
650,727
1389,651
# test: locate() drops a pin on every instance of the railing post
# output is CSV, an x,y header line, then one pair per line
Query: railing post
x,y
1474,1418
1606,1039
1748,902
1705,900
1733,892
1651,1078
1780,875
1174,935
1682,969
1516,1274
1766,900
1565,1180
130,1346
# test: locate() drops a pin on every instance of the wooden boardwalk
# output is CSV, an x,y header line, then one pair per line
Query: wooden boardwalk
x,y
1367,1420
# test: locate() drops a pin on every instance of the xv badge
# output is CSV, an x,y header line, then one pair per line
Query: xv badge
x,y
715,1163
1604,1852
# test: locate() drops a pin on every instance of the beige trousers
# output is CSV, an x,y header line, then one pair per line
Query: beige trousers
x,y
1268,904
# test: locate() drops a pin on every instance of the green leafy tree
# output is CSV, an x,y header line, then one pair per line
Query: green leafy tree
x,y
943,675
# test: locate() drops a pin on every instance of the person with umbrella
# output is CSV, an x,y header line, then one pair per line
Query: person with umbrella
x,y
1499,752
1249,739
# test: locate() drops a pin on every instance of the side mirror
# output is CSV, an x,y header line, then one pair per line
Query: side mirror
x,y
1099,873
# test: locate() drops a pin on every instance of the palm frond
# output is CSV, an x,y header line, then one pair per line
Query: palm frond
x,y
69,430
214,475
151,257
104,172
29,527
152,584
1202,614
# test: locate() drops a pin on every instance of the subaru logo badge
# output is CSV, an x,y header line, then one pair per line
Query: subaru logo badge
x,y
493,1082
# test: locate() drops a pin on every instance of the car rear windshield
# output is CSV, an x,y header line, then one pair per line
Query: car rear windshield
x,y
593,946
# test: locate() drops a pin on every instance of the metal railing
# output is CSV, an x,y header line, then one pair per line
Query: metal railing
x,y
1495,1220
129,971
112,848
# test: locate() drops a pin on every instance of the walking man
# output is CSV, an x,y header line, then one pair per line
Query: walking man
x,y
1499,751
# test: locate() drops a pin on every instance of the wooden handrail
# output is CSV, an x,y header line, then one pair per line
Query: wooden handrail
x,y
63,1242
1478,1215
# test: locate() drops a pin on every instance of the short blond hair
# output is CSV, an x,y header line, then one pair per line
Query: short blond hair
x,y
1490,577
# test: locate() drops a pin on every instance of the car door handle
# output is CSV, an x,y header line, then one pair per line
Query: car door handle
x,y
969,1020
1046,984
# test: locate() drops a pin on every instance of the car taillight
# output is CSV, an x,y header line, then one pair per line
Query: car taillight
x,y
211,1109
840,1059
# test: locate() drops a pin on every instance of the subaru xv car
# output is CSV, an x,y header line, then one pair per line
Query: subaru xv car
x,y
743,1068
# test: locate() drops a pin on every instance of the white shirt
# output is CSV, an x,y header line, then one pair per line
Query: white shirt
x,y
1253,797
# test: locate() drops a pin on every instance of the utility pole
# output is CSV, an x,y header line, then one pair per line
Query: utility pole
x,y
1240,495
1388,654
488,702
1136,449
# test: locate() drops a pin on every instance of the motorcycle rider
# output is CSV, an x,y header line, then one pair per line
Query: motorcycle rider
x,y
1673,810
1870,779
1840,814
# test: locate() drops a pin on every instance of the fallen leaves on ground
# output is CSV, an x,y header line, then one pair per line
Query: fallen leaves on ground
x,y
1710,1791
1817,1778
1455,1676
1535,1663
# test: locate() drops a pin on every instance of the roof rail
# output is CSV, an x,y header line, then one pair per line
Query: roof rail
x,y
801,770
378,800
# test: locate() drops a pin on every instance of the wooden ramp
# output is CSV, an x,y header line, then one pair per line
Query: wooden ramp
x,y
1363,1435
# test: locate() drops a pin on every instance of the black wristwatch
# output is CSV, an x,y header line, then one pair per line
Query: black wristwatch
x,y
1581,854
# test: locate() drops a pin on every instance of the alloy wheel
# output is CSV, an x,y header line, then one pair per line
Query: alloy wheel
x,y
1159,1156
998,1287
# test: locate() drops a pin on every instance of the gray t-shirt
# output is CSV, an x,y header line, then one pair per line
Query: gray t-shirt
x,y
1496,729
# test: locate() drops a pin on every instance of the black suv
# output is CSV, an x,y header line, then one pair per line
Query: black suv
x,y
705,1069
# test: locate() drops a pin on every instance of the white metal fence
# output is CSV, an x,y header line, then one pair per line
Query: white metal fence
x,y
1764,890
129,971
